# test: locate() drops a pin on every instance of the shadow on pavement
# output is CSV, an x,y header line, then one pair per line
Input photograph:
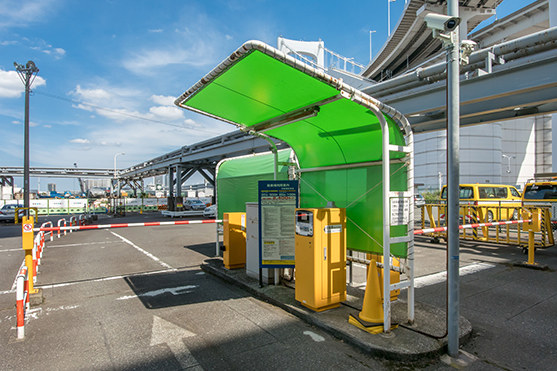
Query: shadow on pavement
x,y
172,289
207,249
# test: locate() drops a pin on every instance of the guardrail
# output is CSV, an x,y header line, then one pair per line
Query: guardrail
x,y
73,221
59,224
477,218
51,234
28,272
466,226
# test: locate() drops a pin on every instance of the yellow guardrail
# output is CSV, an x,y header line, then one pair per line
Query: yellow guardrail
x,y
433,216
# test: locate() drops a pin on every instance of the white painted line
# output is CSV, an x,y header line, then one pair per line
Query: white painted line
x,y
82,244
143,251
11,250
173,290
436,278
96,280
314,336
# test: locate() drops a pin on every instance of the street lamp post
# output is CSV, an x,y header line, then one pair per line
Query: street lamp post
x,y
27,75
370,52
508,164
118,179
389,14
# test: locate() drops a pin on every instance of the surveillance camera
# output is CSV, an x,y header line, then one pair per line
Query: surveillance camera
x,y
441,22
466,48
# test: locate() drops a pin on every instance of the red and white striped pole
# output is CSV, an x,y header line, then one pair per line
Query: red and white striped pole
x,y
466,226
22,300
125,225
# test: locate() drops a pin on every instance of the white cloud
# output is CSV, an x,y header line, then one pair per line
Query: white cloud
x,y
11,85
16,122
80,141
166,113
47,126
228,37
6,43
195,45
57,53
33,124
17,13
91,94
145,61
163,100
156,31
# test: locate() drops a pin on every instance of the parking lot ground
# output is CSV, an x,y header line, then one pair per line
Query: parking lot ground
x,y
138,299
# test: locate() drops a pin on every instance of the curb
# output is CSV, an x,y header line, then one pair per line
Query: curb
x,y
370,349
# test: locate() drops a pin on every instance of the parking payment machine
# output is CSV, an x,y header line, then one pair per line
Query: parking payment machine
x,y
320,257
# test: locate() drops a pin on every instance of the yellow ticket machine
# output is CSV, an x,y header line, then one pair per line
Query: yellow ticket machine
x,y
234,230
320,257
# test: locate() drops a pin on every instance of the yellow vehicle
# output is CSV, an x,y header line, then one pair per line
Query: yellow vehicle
x,y
542,193
498,201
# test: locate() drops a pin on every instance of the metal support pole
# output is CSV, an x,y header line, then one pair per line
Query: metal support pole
x,y
26,151
26,74
453,180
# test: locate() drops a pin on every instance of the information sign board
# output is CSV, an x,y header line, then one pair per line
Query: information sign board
x,y
400,209
278,200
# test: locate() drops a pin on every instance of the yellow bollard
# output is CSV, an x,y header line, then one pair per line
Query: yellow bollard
x,y
531,247
27,239
531,227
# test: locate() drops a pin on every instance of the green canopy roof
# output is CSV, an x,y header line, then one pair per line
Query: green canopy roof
x,y
336,131
264,94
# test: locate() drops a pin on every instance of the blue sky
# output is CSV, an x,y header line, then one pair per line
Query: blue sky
x,y
110,70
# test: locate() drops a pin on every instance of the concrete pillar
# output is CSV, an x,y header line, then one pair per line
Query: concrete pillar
x,y
544,143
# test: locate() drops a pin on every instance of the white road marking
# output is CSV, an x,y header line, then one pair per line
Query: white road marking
x,y
11,250
436,278
95,280
82,244
35,313
314,336
173,290
433,279
143,251
168,333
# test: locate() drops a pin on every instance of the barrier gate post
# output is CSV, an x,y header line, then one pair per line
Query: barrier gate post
x,y
27,239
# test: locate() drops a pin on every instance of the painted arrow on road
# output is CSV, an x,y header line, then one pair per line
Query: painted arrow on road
x,y
166,332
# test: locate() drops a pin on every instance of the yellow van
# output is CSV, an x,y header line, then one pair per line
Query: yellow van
x,y
542,193
490,197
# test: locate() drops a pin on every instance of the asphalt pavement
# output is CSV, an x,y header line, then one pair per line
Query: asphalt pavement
x,y
137,298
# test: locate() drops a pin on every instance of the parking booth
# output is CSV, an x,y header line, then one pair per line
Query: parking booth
x,y
352,151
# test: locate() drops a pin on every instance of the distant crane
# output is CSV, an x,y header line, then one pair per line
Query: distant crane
x,y
81,184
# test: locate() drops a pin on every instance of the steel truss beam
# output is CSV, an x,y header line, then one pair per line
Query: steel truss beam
x,y
57,172
525,87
